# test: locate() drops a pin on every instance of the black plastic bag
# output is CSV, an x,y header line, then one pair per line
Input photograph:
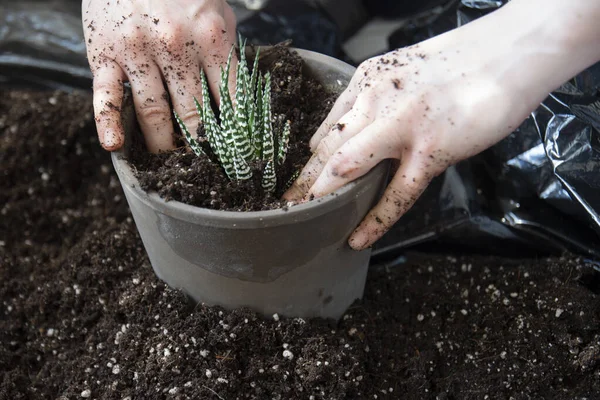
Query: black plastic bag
x,y
42,45
281,20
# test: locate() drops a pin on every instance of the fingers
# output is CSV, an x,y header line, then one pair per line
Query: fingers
x,y
354,159
342,105
405,188
230,23
108,98
152,108
184,84
347,127
213,61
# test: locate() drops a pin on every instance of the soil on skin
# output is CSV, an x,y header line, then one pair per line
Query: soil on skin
x,y
83,316
181,175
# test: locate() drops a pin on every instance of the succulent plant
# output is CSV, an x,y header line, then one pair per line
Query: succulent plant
x,y
243,135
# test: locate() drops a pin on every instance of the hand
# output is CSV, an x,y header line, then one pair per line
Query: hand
x,y
159,47
433,104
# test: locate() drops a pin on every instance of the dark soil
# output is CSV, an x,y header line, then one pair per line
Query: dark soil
x,y
181,175
83,316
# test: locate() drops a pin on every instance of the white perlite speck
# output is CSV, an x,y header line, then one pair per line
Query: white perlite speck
x,y
86,393
208,373
116,369
463,312
173,390
50,332
288,354
420,317
559,312
118,337
276,317
204,353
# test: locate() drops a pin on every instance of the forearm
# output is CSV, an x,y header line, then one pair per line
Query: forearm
x,y
553,39
530,47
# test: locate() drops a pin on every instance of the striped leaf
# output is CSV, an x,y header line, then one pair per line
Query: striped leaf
x,y
242,139
213,131
194,145
257,138
227,126
252,106
283,143
269,179
268,150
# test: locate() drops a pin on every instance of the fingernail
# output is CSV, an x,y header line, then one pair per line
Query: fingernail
x,y
358,240
111,141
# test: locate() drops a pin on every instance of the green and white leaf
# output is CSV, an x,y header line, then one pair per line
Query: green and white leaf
x,y
269,179
194,145
213,131
252,106
243,139
268,150
257,137
283,143
228,126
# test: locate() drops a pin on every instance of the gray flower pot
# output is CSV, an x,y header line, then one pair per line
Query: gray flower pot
x,y
294,263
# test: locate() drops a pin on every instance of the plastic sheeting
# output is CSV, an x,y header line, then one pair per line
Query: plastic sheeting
x,y
306,26
41,45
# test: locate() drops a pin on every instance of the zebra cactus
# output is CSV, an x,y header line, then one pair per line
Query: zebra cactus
x,y
244,134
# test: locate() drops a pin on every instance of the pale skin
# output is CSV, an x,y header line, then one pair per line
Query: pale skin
x,y
426,107
159,47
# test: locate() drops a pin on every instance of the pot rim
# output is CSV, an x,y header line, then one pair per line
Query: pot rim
x,y
251,219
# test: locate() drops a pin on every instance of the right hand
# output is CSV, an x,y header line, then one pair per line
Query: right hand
x,y
433,104
159,47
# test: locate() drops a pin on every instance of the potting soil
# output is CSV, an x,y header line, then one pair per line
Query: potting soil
x,y
82,316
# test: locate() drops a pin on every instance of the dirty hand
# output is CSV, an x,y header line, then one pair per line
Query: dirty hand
x,y
159,47
433,104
